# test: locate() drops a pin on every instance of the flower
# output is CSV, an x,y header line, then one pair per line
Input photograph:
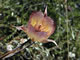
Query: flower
x,y
39,27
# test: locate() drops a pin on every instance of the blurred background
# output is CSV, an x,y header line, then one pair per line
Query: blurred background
x,y
66,15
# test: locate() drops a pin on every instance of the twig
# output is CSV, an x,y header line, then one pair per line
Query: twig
x,y
16,50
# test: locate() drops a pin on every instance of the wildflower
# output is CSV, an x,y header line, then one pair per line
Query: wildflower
x,y
39,27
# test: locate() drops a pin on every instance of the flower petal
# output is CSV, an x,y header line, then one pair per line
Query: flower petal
x,y
36,36
45,12
36,18
24,28
50,40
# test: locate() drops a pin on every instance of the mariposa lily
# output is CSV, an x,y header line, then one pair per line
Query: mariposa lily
x,y
39,27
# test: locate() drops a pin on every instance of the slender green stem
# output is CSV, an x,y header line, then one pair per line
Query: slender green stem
x,y
67,23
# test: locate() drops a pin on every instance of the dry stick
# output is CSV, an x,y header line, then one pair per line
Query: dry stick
x,y
13,52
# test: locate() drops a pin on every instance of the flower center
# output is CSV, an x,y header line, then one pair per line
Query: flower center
x,y
40,25
37,28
